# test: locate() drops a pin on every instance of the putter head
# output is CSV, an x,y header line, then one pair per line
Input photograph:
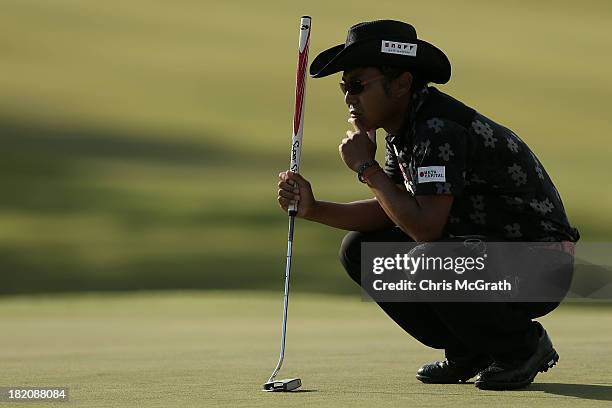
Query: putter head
x,y
283,385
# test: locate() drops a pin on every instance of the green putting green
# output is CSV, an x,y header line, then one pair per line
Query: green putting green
x,y
203,349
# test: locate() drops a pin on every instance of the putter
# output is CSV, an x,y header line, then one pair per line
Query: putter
x,y
296,148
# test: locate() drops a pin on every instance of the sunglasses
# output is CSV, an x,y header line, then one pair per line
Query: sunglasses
x,y
356,86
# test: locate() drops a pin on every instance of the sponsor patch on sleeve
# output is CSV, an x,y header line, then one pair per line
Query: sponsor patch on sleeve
x,y
431,174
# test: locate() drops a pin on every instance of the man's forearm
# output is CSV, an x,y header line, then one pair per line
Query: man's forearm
x,y
364,215
404,209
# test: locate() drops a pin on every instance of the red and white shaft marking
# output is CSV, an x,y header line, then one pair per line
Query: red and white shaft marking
x,y
300,88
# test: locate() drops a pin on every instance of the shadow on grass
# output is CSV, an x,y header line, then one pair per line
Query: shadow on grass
x,y
584,391
47,170
75,143
44,173
306,391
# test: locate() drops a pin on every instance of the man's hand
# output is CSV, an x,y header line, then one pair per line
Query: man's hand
x,y
292,189
359,145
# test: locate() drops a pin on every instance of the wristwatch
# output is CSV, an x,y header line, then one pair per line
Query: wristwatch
x,y
363,168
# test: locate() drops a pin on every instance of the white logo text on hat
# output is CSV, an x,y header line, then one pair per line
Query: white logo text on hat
x,y
393,47
430,174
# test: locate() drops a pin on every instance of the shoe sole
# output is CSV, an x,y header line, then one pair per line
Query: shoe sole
x,y
430,380
545,364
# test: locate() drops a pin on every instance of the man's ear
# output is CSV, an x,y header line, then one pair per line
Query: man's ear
x,y
404,84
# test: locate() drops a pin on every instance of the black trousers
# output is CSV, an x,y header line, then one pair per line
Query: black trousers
x,y
503,331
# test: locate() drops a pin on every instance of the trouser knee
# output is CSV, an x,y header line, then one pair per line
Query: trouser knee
x,y
350,254
350,249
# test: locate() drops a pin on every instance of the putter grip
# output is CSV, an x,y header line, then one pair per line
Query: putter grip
x,y
300,88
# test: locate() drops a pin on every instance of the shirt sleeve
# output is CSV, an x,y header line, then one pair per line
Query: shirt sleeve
x,y
391,167
440,159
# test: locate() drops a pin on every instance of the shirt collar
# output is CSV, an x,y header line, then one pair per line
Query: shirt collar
x,y
407,130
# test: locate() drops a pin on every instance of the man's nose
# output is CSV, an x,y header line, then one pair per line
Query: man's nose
x,y
349,99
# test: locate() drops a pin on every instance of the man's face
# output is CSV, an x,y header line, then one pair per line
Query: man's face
x,y
371,106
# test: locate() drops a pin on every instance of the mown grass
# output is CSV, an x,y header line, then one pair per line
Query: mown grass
x,y
217,348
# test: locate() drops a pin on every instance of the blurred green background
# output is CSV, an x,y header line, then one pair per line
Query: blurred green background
x,y
141,140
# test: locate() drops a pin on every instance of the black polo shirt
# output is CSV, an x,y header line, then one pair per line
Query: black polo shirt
x,y
500,188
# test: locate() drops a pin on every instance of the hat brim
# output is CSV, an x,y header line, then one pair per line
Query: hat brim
x,y
430,61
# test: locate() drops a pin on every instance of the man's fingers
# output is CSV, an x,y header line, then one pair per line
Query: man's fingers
x,y
360,129
283,176
289,188
296,178
285,202
286,186
288,195
357,124
286,176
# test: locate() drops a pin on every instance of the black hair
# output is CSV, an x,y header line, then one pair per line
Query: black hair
x,y
391,73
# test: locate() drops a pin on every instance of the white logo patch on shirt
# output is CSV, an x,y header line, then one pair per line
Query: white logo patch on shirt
x,y
394,47
431,174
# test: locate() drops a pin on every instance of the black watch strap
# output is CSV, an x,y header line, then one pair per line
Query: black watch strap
x,y
363,168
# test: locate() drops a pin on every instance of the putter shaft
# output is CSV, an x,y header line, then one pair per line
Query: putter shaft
x,y
286,297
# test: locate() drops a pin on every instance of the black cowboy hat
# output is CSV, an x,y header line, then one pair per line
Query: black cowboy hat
x,y
384,43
